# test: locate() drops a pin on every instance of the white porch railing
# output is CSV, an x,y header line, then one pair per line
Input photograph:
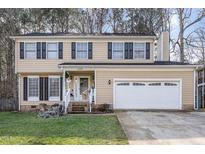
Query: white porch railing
x,y
91,98
67,100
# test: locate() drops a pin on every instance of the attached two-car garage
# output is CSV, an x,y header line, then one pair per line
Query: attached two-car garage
x,y
147,94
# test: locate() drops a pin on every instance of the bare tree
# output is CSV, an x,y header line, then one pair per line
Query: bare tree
x,y
185,23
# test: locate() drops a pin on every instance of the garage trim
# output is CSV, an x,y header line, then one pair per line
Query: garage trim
x,y
147,79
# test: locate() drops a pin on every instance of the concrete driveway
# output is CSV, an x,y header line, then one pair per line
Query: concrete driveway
x,y
144,127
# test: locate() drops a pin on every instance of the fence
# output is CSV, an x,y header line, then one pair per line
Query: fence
x,y
10,104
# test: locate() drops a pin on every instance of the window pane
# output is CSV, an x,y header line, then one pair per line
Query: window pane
x,y
117,46
118,50
139,50
81,51
117,54
81,54
54,87
52,55
33,87
30,46
30,55
82,46
52,46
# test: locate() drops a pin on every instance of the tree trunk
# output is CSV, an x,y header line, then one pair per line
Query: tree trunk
x,y
181,35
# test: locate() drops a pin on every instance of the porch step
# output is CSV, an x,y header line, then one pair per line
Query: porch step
x,y
78,107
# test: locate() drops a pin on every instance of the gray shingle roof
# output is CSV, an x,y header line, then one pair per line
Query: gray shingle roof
x,y
89,34
155,63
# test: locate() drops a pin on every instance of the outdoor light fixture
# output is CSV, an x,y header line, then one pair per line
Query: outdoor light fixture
x,y
67,75
109,82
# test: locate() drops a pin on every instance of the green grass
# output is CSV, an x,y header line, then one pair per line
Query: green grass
x,y
27,128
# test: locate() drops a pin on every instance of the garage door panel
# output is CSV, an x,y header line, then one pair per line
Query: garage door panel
x,y
130,96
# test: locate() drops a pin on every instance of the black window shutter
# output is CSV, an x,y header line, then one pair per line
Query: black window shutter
x,y
109,50
25,88
130,50
43,50
73,50
46,88
126,50
147,50
61,88
21,50
90,50
38,48
60,50
41,89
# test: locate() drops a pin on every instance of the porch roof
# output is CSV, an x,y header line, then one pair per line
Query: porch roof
x,y
133,65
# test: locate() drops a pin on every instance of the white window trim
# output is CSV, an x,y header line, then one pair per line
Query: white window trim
x,y
123,51
49,97
47,50
144,51
76,50
25,57
32,98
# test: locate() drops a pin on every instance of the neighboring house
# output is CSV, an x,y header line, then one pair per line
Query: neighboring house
x,y
115,69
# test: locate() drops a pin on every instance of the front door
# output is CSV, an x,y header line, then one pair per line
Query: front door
x,y
81,88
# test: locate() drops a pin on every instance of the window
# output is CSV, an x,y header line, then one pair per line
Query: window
x,y
200,76
33,88
52,50
82,50
118,50
123,84
139,50
170,84
30,50
155,84
138,84
54,88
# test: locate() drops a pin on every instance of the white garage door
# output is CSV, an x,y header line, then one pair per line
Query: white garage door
x,y
147,95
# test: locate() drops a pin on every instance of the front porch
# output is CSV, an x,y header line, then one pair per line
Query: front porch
x,y
78,90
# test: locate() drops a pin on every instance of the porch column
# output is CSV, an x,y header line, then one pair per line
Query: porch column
x,y
19,92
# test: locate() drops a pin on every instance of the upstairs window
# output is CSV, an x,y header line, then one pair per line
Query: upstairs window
x,y
139,50
118,50
54,88
81,50
30,50
52,50
33,88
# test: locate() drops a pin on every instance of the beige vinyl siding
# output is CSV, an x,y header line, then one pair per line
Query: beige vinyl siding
x,y
46,65
105,91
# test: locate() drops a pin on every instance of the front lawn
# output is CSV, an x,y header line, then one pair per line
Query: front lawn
x,y
27,128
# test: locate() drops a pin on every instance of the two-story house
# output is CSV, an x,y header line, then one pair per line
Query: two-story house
x,y
115,69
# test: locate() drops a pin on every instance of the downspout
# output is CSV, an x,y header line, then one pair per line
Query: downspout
x,y
196,105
